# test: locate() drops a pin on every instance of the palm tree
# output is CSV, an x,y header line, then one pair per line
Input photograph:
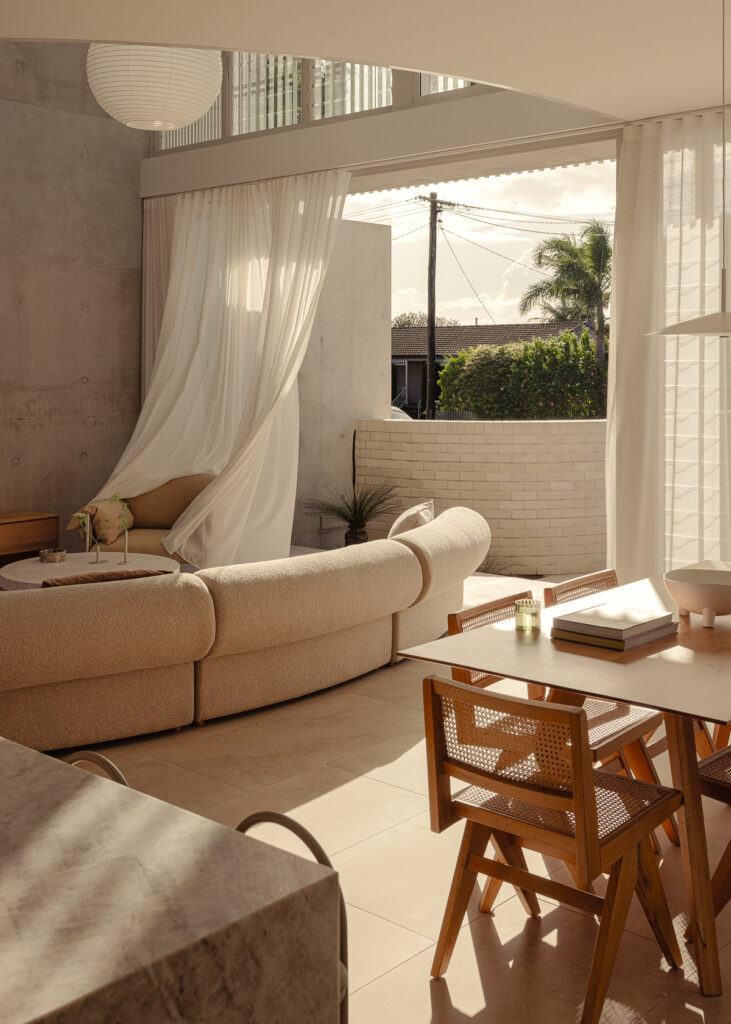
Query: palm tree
x,y
579,278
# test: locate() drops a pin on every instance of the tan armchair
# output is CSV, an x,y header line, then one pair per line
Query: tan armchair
x,y
155,512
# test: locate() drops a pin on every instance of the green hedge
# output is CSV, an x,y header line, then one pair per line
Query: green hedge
x,y
544,379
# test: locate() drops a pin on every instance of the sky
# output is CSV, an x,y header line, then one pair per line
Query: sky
x,y
568,195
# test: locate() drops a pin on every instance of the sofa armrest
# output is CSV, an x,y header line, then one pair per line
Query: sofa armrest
x,y
51,635
449,549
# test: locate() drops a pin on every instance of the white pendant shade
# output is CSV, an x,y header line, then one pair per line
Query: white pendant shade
x,y
155,88
712,324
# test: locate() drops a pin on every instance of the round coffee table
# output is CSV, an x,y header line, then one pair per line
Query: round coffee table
x,y
30,573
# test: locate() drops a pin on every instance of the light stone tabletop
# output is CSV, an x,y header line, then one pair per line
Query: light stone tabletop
x,y
29,573
118,908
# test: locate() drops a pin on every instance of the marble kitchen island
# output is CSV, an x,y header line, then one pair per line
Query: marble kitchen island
x,y
119,908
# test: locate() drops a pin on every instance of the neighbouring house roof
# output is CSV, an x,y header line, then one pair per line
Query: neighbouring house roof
x,y
410,342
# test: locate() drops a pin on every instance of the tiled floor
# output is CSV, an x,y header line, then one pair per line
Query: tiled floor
x,y
349,764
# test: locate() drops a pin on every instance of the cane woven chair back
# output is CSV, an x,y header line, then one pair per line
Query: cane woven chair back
x,y
582,586
473,618
529,752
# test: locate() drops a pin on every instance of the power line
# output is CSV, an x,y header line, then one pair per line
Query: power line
x,y
464,273
417,228
377,209
492,252
511,225
537,217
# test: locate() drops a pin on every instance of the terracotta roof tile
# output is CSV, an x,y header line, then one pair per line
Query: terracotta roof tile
x,y
411,341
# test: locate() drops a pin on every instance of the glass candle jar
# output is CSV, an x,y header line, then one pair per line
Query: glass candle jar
x,y
527,615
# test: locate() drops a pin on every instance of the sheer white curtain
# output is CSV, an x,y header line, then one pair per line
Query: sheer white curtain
x,y
246,270
157,238
669,400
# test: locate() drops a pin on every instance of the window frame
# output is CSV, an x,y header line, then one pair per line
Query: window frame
x,y
405,93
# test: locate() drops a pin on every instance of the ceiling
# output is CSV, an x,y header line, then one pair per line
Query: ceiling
x,y
626,59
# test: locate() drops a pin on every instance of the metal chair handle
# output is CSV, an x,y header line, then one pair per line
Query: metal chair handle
x,y
275,818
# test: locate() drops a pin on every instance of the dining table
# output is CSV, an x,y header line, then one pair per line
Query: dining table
x,y
687,677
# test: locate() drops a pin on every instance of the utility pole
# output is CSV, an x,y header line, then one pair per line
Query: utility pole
x,y
431,347
435,208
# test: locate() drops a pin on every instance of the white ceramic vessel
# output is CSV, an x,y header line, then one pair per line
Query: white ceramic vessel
x,y
703,588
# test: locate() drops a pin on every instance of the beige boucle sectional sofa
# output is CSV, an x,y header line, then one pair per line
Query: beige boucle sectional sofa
x,y
103,661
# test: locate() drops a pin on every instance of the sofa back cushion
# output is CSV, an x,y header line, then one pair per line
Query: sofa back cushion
x,y
158,509
449,549
418,515
47,636
265,604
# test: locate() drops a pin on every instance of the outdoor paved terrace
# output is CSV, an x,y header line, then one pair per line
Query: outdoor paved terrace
x,y
349,764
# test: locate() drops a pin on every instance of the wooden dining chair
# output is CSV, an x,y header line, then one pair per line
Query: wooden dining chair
x,y
485,615
641,723
530,784
615,730
715,776
581,586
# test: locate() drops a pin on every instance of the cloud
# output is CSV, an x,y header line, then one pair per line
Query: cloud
x,y
556,201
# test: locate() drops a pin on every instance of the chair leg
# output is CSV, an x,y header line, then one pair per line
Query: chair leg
x,y
493,886
571,868
536,692
622,881
721,882
721,736
655,905
703,742
474,841
642,767
513,855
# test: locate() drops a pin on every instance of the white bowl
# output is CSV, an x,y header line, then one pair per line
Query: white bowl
x,y
704,588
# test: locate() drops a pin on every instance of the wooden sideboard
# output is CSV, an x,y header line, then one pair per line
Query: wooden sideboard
x,y
23,532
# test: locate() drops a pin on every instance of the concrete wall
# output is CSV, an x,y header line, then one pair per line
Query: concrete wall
x,y
70,258
346,373
539,484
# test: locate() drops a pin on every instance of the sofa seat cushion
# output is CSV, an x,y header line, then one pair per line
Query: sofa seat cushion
x,y
264,604
158,509
103,629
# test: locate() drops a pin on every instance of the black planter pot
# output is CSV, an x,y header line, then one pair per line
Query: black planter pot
x,y
354,536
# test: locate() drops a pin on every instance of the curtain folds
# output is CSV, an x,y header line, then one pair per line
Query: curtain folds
x,y
669,399
157,237
247,264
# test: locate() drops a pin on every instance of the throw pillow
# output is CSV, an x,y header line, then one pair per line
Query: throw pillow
x,y
413,517
110,518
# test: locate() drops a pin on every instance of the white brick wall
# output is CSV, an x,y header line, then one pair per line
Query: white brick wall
x,y
539,484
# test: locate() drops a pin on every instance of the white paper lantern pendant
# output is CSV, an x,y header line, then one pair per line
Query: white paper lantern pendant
x,y
155,88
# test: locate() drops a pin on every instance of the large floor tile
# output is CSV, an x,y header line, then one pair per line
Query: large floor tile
x,y
376,946
263,747
403,874
178,786
510,968
340,809
400,761
398,684
686,1005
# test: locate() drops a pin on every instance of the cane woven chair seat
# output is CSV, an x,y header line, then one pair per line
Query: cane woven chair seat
x,y
619,802
612,724
715,775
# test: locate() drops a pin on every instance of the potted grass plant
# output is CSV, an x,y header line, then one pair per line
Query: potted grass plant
x,y
358,507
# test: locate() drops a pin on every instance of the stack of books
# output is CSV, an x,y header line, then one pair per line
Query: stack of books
x,y
620,629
